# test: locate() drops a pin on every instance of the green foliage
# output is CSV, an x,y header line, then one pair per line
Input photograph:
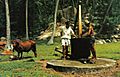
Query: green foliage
x,y
2,19
41,13
44,13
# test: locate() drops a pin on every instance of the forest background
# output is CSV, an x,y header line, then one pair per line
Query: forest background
x,y
105,13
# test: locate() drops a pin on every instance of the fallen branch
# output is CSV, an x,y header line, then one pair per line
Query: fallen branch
x,y
57,50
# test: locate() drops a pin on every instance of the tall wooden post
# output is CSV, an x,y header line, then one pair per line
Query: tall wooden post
x,y
80,20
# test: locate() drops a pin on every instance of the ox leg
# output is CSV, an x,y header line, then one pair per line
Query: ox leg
x,y
35,54
21,55
34,51
18,54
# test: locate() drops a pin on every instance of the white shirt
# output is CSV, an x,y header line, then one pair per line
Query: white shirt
x,y
67,32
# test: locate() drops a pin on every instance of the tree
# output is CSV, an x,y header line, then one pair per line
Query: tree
x,y
54,29
27,35
7,23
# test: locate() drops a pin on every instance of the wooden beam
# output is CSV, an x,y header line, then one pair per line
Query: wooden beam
x,y
80,20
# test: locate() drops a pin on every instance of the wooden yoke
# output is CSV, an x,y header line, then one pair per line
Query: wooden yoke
x,y
80,21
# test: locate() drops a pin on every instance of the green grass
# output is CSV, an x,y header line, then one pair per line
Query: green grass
x,y
110,50
22,68
117,74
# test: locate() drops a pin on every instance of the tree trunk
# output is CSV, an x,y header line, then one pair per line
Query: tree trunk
x,y
54,29
27,35
7,23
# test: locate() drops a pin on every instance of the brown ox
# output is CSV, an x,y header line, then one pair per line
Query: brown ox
x,y
26,46
2,45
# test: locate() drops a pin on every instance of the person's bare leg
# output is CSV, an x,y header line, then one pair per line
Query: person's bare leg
x,y
93,52
64,51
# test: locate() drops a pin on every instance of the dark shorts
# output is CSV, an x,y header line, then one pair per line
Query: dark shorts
x,y
91,40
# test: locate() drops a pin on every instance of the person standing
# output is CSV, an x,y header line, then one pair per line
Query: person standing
x,y
89,32
66,32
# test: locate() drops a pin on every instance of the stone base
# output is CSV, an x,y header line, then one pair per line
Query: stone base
x,y
78,67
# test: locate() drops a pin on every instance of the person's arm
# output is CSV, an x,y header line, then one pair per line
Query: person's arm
x,y
61,33
73,33
91,30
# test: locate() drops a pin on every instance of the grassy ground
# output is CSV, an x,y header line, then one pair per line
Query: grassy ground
x,y
29,68
110,50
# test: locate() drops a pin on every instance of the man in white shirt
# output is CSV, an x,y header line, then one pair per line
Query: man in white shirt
x,y
66,36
